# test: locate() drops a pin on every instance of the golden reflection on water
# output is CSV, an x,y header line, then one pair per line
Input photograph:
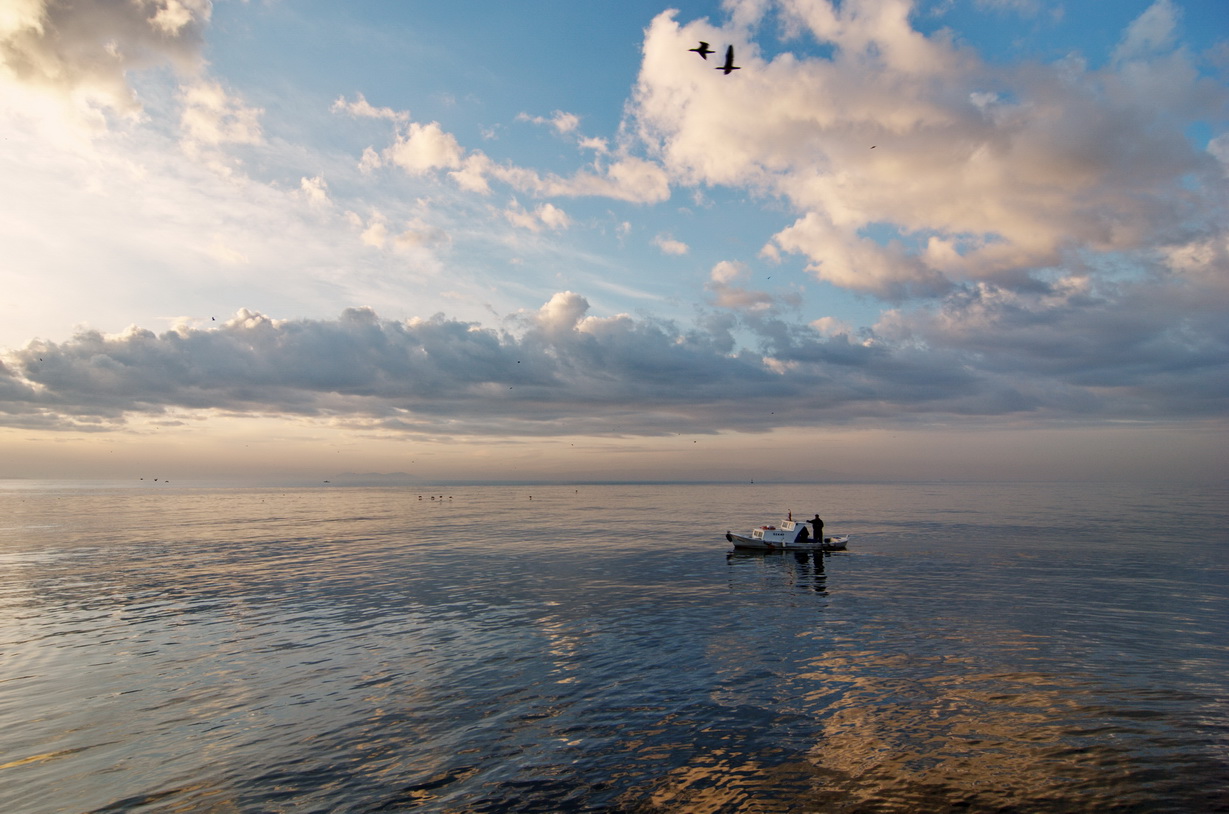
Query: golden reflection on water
x,y
722,781
910,733
986,741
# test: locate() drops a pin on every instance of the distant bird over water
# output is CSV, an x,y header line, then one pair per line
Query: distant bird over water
x,y
729,61
703,50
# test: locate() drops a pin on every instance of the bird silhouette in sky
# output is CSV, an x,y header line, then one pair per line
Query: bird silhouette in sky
x,y
729,62
703,50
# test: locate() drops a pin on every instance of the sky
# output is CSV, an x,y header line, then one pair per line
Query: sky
x,y
547,240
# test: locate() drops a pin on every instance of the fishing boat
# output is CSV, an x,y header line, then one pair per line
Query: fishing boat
x,y
788,535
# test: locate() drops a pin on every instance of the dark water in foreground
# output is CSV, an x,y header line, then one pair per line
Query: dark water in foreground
x,y
979,648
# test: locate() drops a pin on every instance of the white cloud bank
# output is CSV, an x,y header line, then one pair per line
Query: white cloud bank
x,y
915,167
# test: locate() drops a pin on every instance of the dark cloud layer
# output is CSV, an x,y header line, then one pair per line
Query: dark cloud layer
x,y
1055,356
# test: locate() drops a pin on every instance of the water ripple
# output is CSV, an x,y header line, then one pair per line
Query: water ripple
x,y
357,650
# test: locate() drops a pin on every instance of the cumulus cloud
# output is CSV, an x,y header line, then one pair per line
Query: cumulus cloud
x,y
831,326
562,313
315,191
212,117
421,148
84,49
375,234
597,145
914,166
370,161
1069,355
472,176
669,245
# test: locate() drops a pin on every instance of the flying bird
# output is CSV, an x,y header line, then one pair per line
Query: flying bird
x,y
703,50
729,61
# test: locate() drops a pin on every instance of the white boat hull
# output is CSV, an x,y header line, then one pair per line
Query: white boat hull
x,y
754,544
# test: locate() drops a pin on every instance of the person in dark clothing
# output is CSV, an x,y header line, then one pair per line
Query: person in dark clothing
x,y
819,528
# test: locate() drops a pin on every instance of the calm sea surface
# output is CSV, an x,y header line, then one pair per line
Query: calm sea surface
x,y
1023,648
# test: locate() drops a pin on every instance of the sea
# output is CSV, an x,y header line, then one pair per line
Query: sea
x,y
980,647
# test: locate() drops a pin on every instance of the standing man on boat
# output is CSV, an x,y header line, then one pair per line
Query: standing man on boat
x,y
819,528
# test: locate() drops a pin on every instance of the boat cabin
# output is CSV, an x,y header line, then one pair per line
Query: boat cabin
x,y
788,531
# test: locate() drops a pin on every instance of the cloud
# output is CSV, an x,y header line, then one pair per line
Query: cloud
x,y
561,121
417,234
1066,356
315,191
421,148
421,235
545,215
1139,349
370,161
727,295
472,176
1053,243
83,50
1153,32
669,245
375,235
859,263
562,313
568,124
914,166
597,145
212,117
565,367
361,108
626,179
831,326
